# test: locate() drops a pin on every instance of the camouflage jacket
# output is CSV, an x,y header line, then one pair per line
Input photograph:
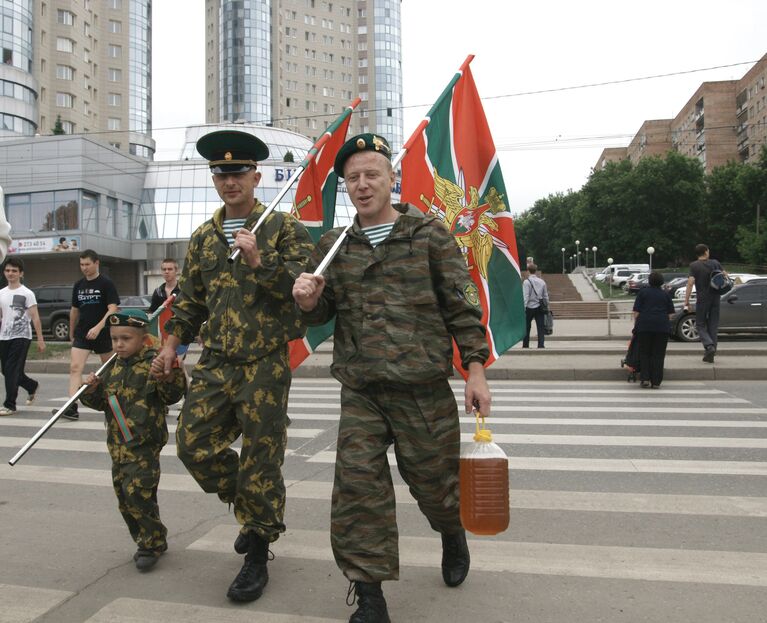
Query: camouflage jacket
x,y
140,418
398,305
247,312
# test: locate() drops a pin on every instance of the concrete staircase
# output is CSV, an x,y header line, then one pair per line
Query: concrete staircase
x,y
567,302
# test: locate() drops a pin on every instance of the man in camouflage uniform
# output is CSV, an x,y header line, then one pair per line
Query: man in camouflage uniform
x,y
134,404
399,289
240,384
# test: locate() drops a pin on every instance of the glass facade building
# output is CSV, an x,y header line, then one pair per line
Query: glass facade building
x,y
18,88
387,54
244,58
140,75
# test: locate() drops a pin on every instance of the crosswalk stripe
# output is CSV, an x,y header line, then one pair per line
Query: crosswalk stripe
x,y
23,604
493,555
591,501
321,390
82,424
128,610
334,406
620,399
634,466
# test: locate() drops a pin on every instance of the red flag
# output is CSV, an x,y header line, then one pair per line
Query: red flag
x,y
315,207
451,170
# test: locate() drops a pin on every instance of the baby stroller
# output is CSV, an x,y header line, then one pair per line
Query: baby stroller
x,y
631,360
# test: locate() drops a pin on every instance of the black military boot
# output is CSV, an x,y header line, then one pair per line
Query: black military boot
x,y
242,543
252,578
371,602
455,558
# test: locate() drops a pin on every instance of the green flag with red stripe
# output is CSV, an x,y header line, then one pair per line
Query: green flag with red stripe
x,y
315,207
451,170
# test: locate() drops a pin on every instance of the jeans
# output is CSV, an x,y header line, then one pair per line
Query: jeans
x,y
13,357
530,314
707,321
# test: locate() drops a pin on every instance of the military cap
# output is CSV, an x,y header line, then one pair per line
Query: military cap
x,y
356,144
129,318
232,151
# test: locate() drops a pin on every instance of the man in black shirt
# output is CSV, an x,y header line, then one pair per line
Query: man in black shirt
x,y
169,268
707,300
94,299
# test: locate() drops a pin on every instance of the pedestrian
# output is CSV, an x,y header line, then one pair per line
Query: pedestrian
x,y
18,308
134,405
399,289
169,268
653,310
94,299
706,300
240,384
5,228
536,298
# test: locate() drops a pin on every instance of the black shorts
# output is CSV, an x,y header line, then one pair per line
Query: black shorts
x,y
102,344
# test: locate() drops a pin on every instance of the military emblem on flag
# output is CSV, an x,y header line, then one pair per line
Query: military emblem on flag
x,y
451,170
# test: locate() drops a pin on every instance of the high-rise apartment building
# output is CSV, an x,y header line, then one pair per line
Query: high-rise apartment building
x,y
86,62
723,121
296,64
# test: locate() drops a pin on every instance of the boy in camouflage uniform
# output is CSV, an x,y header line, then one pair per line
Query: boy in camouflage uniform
x,y
399,289
240,384
134,405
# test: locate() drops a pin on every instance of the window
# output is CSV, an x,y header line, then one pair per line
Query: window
x,y
114,51
114,99
64,100
68,126
65,17
114,75
65,45
113,124
64,72
115,26
115,4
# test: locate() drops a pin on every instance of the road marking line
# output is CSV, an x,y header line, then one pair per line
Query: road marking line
x,y
128,610
587,501
23,604
634,466
493,555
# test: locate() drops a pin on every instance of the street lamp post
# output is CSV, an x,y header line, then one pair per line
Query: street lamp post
x,y
650,251
577,253
594,249
610,276
563,260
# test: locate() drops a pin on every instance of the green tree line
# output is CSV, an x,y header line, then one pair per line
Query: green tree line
x,y
668,203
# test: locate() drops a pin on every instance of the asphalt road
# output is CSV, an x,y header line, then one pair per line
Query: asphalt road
x,y
626,505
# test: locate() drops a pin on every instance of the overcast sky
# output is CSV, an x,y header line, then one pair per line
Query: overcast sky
x,y
547,142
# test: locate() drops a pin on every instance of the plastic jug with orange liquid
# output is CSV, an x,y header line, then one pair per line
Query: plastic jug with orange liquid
x,y
484,484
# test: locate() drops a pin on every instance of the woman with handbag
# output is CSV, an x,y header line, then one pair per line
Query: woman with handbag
x,y
653,309
536,296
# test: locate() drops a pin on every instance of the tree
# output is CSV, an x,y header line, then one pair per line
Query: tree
x,y
288,157
58,127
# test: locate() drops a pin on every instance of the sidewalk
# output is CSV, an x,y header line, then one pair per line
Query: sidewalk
x,y
579,350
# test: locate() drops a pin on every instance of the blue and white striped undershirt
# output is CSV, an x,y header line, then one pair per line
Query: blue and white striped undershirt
x,y
230,225
377,233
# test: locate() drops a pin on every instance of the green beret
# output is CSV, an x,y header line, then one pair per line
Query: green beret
x,y
356,144
129,318
232,151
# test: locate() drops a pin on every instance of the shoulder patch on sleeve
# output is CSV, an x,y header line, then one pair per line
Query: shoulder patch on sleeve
x,y
471,293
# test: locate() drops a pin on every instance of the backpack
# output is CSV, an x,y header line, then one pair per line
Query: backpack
x,y
719,282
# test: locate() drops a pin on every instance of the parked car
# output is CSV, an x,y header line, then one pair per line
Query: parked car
x,y
140,301
672,286
635,282
53,305
620,277
742,310
609,271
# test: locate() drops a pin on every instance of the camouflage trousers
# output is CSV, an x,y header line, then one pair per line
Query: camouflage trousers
x,y
135,477
226,400
422,423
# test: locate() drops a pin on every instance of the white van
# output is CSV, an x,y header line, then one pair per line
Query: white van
x,y
609,271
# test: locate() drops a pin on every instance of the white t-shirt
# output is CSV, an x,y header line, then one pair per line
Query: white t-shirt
x,y
14,306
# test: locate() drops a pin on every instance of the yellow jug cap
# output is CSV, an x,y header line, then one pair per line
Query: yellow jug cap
x,y
482,434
